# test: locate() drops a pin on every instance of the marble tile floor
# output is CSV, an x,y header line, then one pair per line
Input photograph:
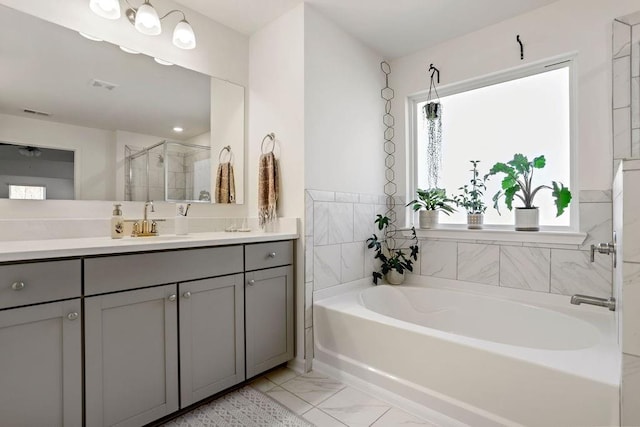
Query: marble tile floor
x,y
326,402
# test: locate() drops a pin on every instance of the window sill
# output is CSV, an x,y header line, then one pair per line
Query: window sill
x,y
453,232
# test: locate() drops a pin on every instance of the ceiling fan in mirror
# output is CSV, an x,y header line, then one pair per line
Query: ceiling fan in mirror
x,y
146,20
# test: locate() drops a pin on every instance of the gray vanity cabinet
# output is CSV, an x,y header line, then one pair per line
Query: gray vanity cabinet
x,y
268,306
131,356
41,365
211,336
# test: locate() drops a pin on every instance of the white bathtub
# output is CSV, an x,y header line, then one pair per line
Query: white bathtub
x,y
480,360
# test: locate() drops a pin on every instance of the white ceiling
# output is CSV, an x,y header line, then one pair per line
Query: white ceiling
x,y
392,27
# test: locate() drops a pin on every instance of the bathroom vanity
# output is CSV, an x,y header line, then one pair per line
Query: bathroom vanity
x,y
138,328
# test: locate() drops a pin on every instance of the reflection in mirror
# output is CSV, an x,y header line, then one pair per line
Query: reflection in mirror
x,y
28,172
168,170
62,91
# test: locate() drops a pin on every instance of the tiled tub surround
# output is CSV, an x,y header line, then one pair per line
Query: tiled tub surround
x,y
626,222
531,351
626,88
338,224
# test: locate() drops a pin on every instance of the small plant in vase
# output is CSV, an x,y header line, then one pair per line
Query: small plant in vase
x,y
394,261
471,198
430,202
518,183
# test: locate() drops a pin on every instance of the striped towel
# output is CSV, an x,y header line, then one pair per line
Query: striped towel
x,y
267,188
225,184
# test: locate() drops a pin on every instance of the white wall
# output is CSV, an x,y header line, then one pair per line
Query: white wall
x,y
276,104
582,26
343,110
94,151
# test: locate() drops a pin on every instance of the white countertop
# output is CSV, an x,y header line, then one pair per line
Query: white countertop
x,y
23,250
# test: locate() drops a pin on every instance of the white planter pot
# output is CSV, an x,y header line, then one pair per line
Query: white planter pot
x,y
527,219
394,278
428,219
475,221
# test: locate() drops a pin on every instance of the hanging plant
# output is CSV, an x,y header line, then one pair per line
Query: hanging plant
x,y
432,113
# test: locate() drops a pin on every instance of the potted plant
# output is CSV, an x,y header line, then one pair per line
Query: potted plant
x,y
433,200
518,183
471,198
394,261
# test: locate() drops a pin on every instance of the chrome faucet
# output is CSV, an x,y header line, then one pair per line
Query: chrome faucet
x,y
605,248
610,302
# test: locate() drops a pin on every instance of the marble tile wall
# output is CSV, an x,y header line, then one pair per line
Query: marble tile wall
x,y
626,88
337,224
627,220
559,269
626,144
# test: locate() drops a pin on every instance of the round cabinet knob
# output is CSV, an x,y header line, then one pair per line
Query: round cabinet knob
x,y
172,297
187,295
16,286
251,282
72,316
272,255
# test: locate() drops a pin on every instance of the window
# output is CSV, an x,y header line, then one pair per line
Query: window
x,y
27,192
491,119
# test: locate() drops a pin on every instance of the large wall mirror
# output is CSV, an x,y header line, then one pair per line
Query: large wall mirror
x,y
125,126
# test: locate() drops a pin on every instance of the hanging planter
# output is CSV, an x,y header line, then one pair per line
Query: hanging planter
x,y
432,113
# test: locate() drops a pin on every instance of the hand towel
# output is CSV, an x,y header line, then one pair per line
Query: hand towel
x,y
225,184
267,188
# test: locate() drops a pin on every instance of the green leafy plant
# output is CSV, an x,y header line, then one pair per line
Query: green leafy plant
x,y
518,183
433,199
391,258
471,196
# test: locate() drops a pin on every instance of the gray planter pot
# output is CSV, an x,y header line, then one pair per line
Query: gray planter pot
x,y
394,278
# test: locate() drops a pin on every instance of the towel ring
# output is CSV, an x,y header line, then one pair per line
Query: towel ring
x,y
272,137
225,148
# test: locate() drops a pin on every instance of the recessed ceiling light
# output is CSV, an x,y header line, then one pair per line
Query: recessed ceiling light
x,y
162,61
131,51
178,129
90,37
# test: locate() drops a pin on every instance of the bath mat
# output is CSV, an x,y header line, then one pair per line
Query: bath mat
x,y
246,407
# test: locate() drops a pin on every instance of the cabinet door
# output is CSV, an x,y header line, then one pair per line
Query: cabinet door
x,y
41,365
131,356
211,336
269,318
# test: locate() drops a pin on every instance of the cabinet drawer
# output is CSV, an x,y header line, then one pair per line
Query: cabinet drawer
x,y
39,282
267,255
122,272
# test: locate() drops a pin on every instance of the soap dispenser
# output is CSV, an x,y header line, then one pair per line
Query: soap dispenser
x,y
117,223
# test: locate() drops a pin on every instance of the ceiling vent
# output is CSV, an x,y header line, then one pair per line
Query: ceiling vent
x,y
103,84
37,113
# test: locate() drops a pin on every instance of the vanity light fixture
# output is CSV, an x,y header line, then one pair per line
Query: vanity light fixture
x,y
146,20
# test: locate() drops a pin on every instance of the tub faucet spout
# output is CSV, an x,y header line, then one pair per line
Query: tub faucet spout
x,y
610,302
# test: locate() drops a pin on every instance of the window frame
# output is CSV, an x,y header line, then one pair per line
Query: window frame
x,y
562,61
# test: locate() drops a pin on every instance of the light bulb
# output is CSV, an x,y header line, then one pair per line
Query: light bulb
x,y
183,36
109,9
147,21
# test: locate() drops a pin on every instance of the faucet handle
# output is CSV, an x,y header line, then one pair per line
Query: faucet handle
x,y
592,256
